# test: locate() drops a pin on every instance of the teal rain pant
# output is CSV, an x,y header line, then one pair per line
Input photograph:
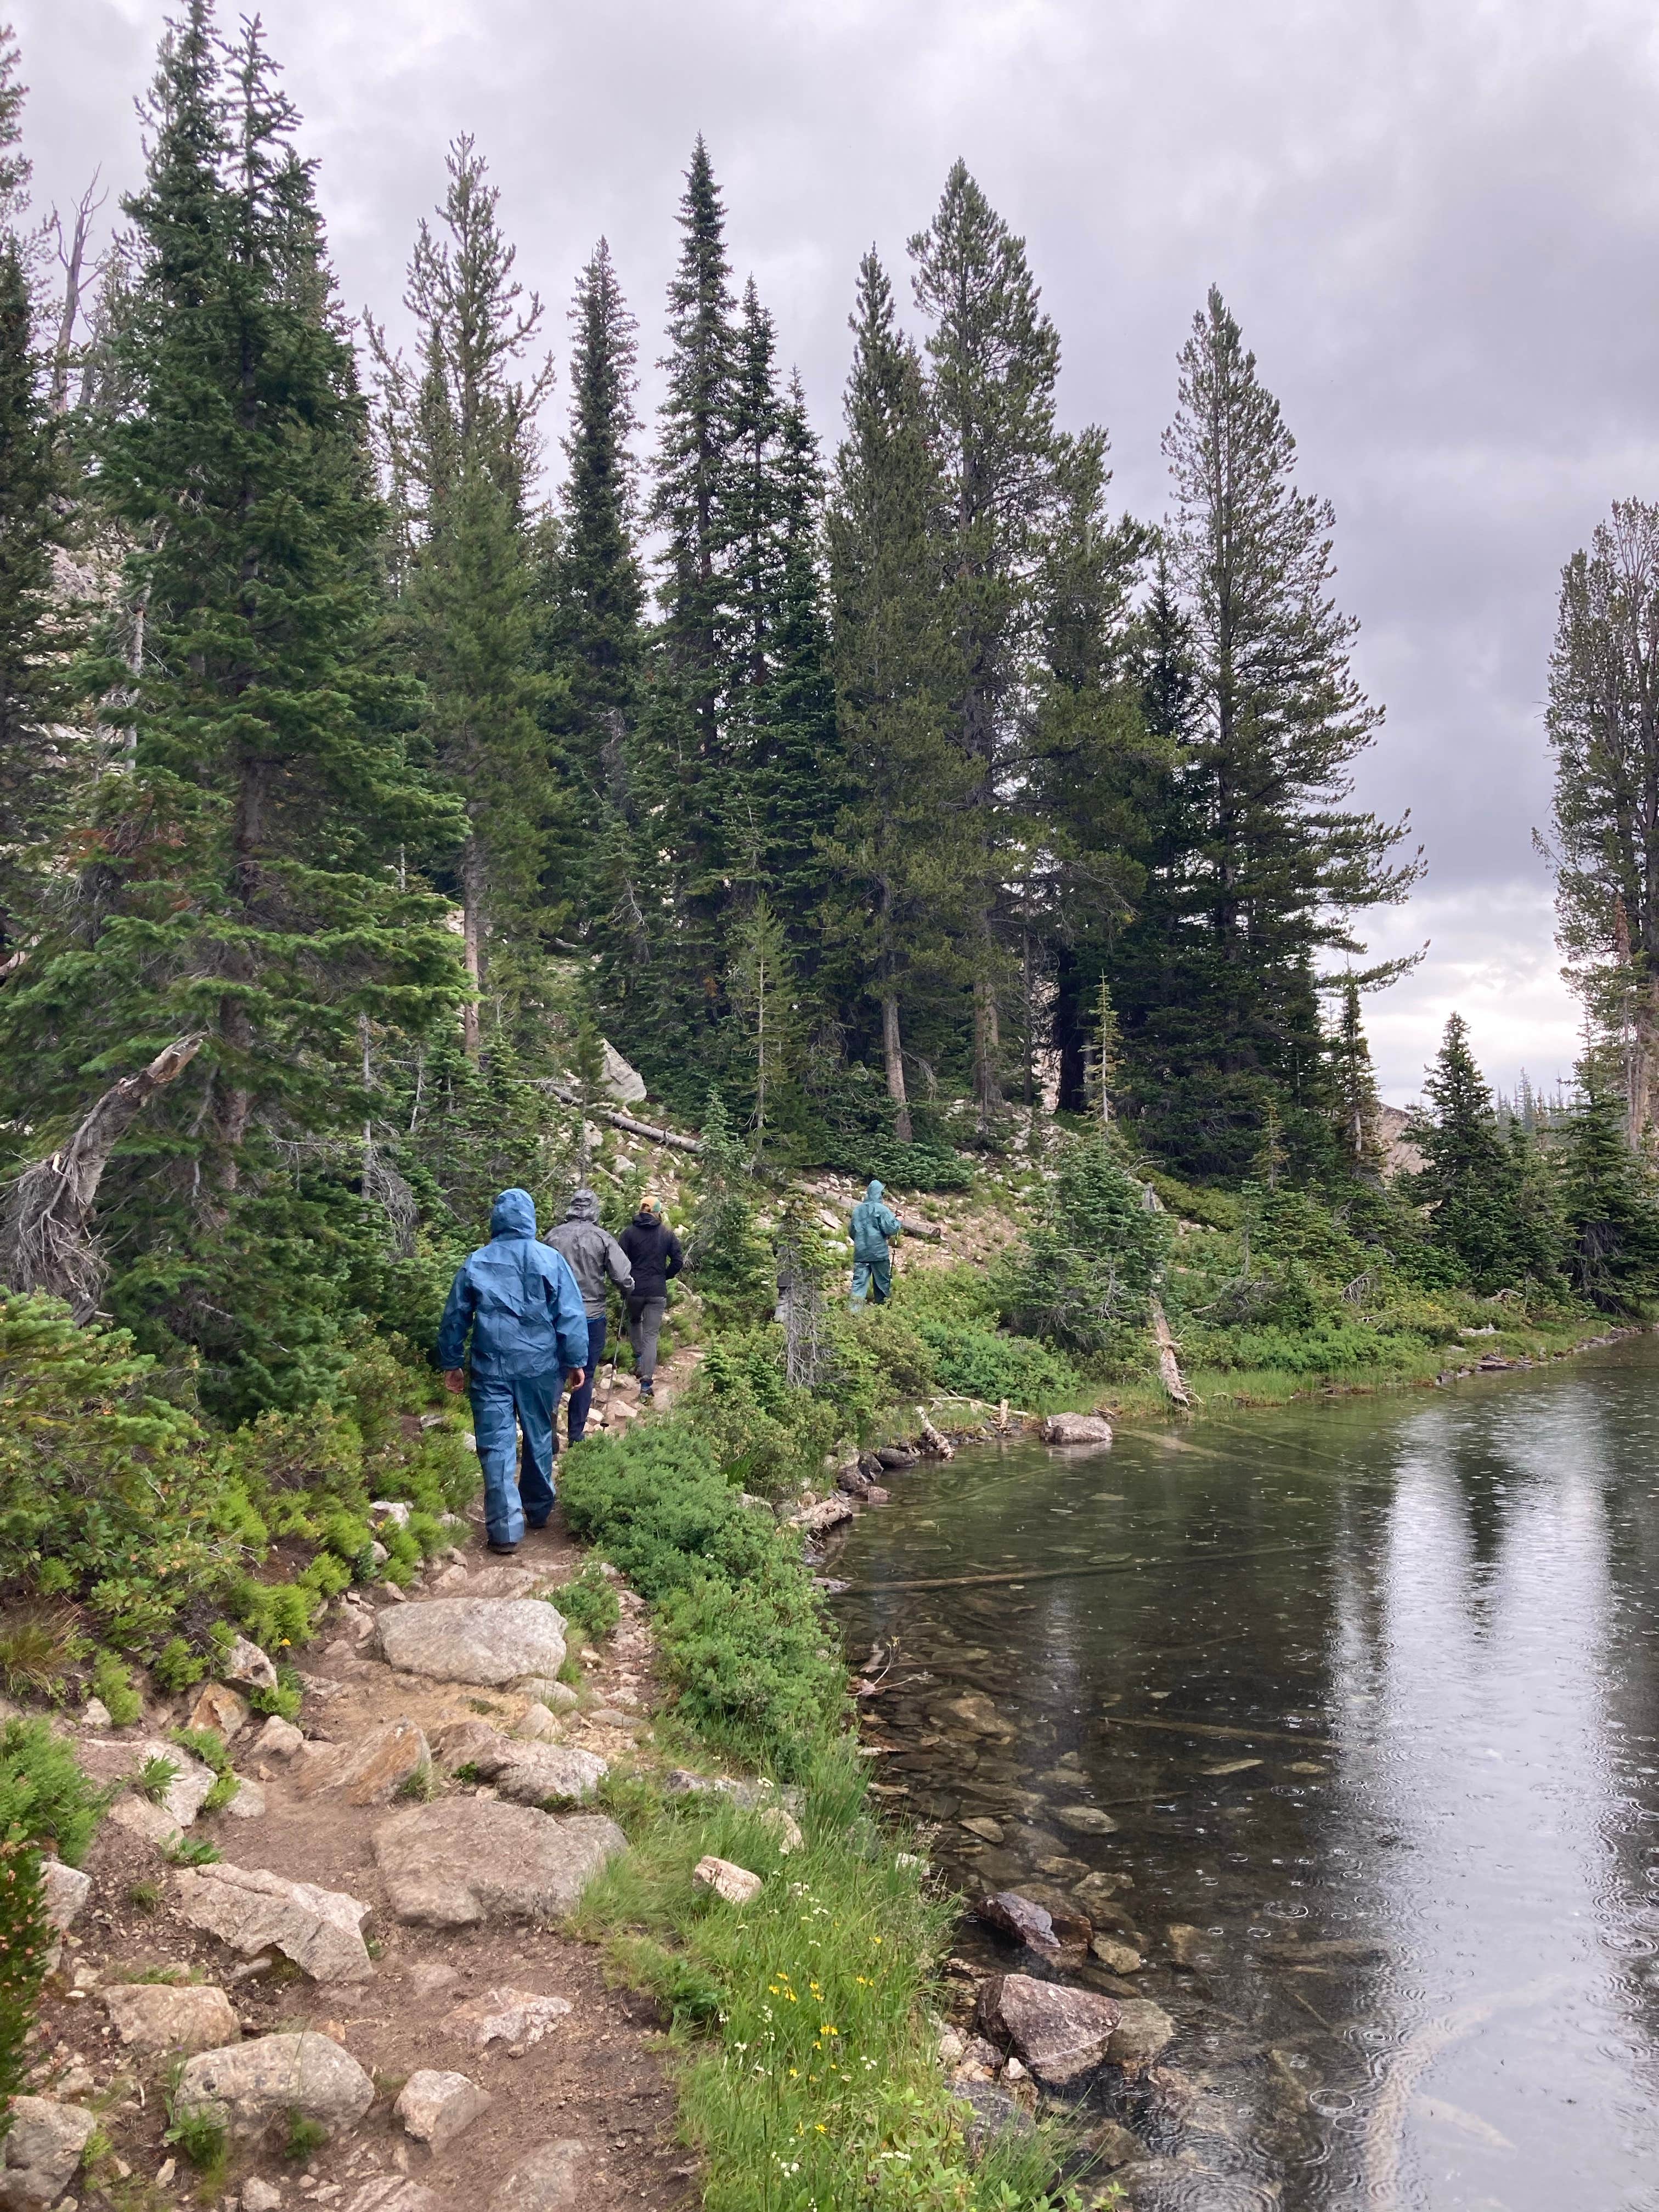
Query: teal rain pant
x,y
875,1275
502,1405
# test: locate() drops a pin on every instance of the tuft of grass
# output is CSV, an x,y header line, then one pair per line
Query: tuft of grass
x,y
197,2132
39,1644
808,2076
156,1776
145,1896
420,1785
305,2137
191,1852
223,1792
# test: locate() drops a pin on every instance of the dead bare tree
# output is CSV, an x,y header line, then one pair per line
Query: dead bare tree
x,y
46,1241
72,261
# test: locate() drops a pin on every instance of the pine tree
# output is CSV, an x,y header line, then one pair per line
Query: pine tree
x,y
594,584
1603,725
461,443
248,879
1609,1202
761,989
897,841
37,632
1357,1107
995,358
1469,1182
1284,859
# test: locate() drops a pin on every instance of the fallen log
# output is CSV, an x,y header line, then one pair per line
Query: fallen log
x,y
45,1241
1169,1366
616,1119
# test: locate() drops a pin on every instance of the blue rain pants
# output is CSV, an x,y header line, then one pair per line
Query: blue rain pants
x,y
502,1405
875,1275
581,1399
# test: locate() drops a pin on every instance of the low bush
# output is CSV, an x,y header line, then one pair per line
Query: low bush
x,y
112,1684
589,1602
43,1797
742,1639
25,1942
767,1437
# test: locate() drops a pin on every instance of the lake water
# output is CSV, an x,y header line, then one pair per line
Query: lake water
x,y
1369,1691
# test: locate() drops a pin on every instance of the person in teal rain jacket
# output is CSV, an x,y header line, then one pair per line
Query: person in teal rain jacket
x,y
875,1227
519,1303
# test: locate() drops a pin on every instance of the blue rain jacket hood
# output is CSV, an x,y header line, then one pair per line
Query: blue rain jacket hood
x,y
517,1299
873,1224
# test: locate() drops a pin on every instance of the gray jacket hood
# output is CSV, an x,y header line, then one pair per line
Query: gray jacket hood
x,y
583,1207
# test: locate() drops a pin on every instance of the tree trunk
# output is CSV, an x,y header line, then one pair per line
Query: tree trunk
x,y
74,260
1644,1051
987,1093
471,923
45,1242
893,1053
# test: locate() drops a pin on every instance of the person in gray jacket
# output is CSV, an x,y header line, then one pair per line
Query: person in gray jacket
x,y
594,1257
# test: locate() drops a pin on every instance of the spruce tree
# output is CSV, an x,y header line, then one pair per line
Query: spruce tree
x,y
1468,1180
1356,1104
594,586
898,847
1609,1202
993,359
1281,861
1603,725
249,881
39,757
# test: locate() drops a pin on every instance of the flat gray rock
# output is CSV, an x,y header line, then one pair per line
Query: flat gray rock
x,y
319,1930
153,2016
531,1773
369,1772
253,2084
435,2106
67,1890
41,2150
466,1860
549,2180
489,1641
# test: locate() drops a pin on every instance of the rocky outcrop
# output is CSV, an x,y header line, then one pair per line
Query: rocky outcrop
x,y
41,2151
1059,2033
435,2107
221,1708
489,1641
247,1667
319,1930
155,2016
736,1884
249,2085
459,1862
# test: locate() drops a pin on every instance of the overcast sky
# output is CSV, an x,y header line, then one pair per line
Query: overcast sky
x,y
1436,222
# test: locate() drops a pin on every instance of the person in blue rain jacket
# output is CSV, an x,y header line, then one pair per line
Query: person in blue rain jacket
x,y
520,1304
875,1227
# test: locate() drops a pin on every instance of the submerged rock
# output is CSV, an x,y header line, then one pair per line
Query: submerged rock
x,y
1142,2033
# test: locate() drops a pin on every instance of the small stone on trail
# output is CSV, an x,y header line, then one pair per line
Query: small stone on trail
x,y
458,1744
95,1714
546,2181
256,2196
41,2150
1076,1429
220,1707
537,1725
257,2082
1061,2034
473,1639
461,1861
248,1803
248,1666
390,2192
152,2017
67,1890
530,1773
278,1739
518,2018
734,1883
319,1930
435,2106
429,1975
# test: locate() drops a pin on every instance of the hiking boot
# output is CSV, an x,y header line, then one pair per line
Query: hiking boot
x,y
646,1392
502,1550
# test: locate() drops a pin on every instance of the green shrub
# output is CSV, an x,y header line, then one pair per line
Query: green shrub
x,y
111,1683
177,1666
43,1797
590,1602
769,1438
742,1636
156,1776
25,1941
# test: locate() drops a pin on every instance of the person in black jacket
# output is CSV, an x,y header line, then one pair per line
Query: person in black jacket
x,y
655,1255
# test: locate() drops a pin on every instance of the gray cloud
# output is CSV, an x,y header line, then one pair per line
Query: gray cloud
x,y
1434,220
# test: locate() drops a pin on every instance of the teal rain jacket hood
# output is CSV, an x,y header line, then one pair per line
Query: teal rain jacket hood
x,y
873,1223
519,1300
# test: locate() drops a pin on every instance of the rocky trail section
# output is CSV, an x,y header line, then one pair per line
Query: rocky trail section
x,y
367,1991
